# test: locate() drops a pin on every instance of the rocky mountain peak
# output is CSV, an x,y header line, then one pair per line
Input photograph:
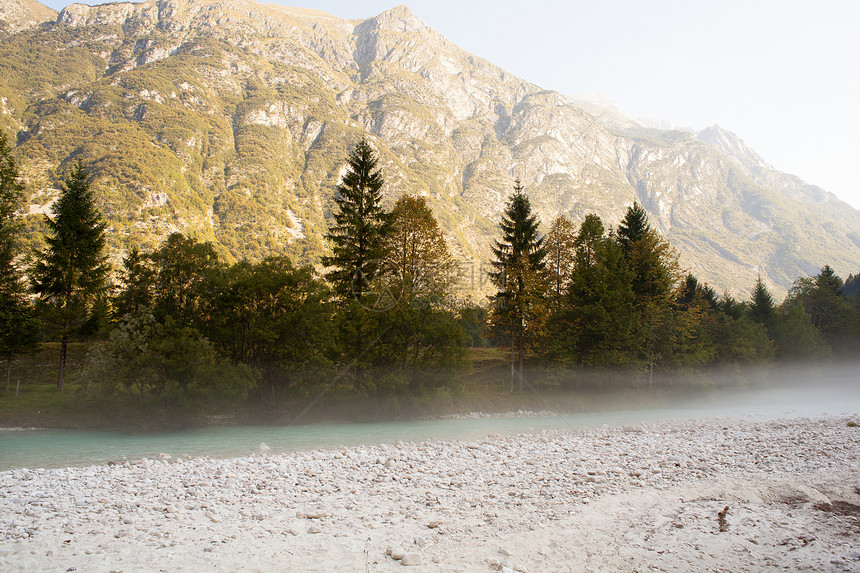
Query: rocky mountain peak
x,y
80,15
399,19
732,145
19,15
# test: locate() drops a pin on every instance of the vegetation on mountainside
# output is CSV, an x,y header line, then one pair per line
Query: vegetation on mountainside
x,y
233,133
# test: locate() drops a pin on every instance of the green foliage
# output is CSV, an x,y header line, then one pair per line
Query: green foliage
x,y
173,282
418,265
761,304
406,348
795,338
276,318
167,369
739,342
559,250
357,237
72,270
633,228
18,325
518,273
832,315
595,324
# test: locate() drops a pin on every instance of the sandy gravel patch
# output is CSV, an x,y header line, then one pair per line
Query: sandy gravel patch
x,y
638,498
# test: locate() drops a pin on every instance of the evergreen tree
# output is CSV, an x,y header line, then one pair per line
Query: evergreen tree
x,y
72,269
17,323
665,331
761,304
829,311
357,237
633,227
11,195
518,274
851,286
595,325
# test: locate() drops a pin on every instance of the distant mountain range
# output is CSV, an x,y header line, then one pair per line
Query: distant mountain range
x,y
230,121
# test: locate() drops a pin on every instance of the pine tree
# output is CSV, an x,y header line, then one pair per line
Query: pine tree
x,y
17,324
72,270
633,228
11,195
664,330
761,304
518,274
360,225
594,327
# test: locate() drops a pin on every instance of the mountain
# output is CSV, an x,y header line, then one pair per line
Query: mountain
x,y
231,120
19,15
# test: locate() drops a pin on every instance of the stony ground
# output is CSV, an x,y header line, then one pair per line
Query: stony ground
x,y
723,496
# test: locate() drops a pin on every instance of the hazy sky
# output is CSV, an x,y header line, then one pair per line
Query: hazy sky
x,y
783,75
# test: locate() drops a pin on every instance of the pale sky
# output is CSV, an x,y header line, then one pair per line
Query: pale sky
x,y
783,75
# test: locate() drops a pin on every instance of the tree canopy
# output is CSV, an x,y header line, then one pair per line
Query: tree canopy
x,y
73,269
357,237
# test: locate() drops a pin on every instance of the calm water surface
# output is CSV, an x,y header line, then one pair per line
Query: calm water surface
x,y
60,448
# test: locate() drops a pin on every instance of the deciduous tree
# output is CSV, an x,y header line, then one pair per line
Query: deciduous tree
x,y
560,250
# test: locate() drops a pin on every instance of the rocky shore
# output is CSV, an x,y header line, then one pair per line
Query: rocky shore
x,y
732,496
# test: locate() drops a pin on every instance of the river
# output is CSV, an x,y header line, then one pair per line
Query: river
x,y
40,448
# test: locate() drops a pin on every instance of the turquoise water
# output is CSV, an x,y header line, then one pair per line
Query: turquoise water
x,y
60,448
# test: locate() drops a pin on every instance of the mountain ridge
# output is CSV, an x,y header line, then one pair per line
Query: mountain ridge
x,y
230,121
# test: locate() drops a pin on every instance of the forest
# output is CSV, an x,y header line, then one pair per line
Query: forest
x,y
175,334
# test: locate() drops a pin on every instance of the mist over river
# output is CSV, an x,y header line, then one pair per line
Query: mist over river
x,y
42,448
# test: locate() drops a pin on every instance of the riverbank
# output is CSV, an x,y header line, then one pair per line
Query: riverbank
x,y
609,498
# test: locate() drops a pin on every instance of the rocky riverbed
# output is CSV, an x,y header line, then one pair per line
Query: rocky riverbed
x,y
686,496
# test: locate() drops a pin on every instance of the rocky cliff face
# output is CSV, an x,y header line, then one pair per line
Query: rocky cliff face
x,y
231,120
19,15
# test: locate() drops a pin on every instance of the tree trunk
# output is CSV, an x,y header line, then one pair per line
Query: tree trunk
x,y
61,376
520,352
8,369
521,336
520,359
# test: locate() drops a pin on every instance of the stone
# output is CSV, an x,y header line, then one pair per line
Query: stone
x,y
411,560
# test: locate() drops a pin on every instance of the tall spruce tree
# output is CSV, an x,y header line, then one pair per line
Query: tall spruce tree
x,y
17,325
72,269
518,274
633,228
665,332
761,304
357,238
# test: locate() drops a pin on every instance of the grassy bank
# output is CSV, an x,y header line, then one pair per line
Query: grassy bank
x,y
485,386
